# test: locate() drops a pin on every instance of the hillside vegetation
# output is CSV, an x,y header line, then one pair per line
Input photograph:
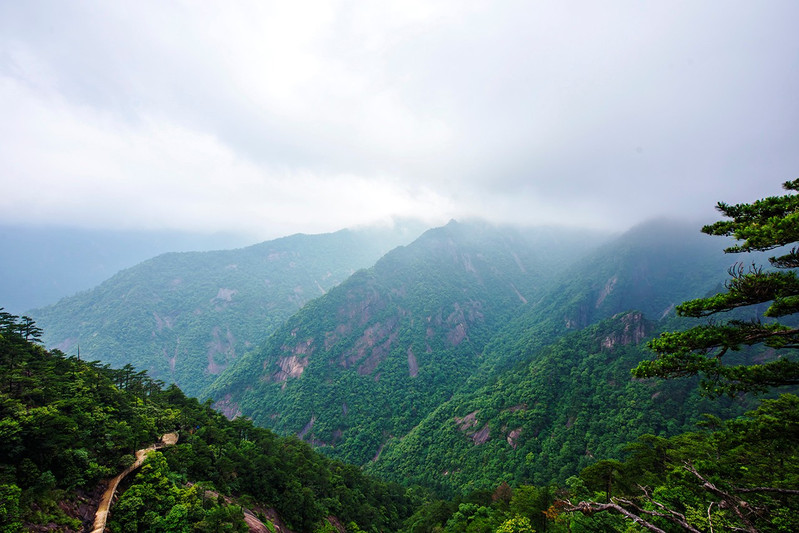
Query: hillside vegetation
x,y
184,317
446,363
503,378
377,354
68,424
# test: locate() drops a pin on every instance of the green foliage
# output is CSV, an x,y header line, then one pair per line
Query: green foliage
x,y
524,508
551,390
736,475
744,474
67,423
763,225
517,524
154,503
183,317
380,352
549,418
9,508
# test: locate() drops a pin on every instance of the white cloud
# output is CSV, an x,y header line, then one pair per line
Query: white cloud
x,y
101,172
308,116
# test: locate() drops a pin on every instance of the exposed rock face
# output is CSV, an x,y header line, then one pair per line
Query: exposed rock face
x,y
374,345
174,358
518,294
67,344
578,318
290,367
223,297
607,289
635,330
413,365
513,437
225,294
482,436
308,427
467,425
163,322
467,422
224,345
228,407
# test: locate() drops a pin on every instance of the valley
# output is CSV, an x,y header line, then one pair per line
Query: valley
x,y
472,357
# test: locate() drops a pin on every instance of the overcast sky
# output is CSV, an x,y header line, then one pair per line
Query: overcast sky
x,y
277,117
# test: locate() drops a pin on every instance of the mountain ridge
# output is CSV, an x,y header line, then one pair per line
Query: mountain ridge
x,y
185,316
416,322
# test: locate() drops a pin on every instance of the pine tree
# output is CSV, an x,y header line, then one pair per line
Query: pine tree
x,y
768,224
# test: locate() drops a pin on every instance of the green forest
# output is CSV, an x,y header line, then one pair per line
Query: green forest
x,y
68,424
184,317
449,389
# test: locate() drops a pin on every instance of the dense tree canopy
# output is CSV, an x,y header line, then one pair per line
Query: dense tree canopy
x,y
741,476
772,292
68,424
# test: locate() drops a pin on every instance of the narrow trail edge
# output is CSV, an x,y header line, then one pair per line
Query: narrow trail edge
x,y
101,515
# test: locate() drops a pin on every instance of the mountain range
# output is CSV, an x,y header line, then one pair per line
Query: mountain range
x,y
471,354
183,317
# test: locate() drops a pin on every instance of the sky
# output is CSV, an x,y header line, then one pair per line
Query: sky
x,y
271,118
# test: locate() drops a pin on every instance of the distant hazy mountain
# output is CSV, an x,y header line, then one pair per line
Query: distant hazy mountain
x,y
41,265
184,317
554,391
377,354
477,353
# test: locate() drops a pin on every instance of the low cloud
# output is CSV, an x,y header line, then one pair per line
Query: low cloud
x,y
272,118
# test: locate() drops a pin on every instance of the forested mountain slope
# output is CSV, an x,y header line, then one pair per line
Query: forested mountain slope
x,y
650,268
555,391
66,425
374,356
571,403
408,353
183,317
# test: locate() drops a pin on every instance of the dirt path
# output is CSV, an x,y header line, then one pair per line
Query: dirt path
x,y
254,523
105,503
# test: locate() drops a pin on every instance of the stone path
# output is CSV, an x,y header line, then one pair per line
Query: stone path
x,y
105,503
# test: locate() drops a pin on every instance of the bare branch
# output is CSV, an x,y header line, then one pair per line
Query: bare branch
x,y
767,489
668,514
728,500
588,508
709,521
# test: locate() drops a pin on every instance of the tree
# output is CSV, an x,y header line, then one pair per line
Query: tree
x,y
517,524
741,477
768,224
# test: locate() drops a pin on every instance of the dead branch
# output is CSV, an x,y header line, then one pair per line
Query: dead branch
x,y
767,489
727,500
588,508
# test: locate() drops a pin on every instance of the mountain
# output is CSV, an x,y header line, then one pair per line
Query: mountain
x,y
554,390
395,366
410,345
651,268
569,404
183,317
41,265
68,426
491,365
378,353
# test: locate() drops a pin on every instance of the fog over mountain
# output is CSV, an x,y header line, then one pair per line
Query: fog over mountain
x,y
270,118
